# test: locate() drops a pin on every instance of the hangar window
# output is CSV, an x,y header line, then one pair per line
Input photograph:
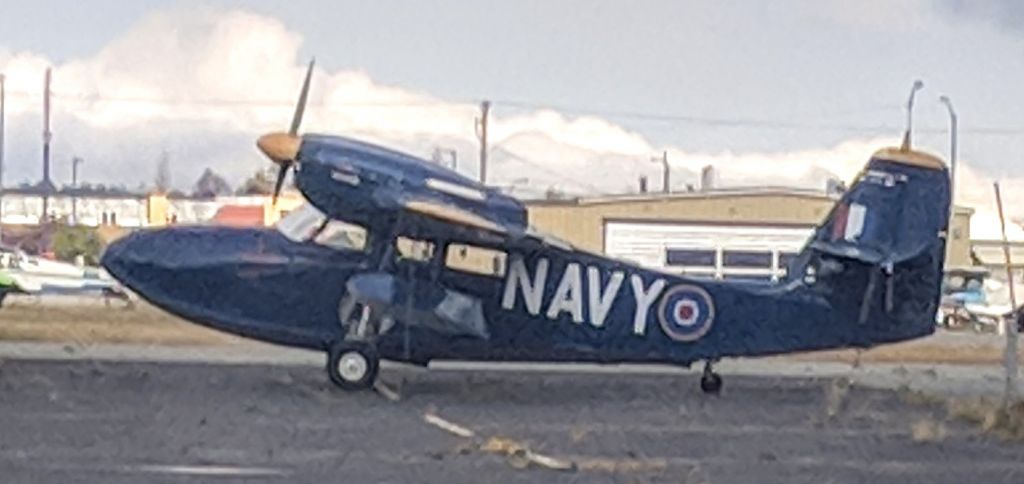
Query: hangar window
x,y
785,258
476,260
746,258
690,257
750,277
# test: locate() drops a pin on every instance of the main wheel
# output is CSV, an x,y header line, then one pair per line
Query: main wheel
x,y
711,383
352,365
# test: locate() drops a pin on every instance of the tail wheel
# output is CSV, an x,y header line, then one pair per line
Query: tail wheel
x,y
352,365
711,383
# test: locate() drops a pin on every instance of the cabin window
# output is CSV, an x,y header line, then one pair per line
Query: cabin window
x,y
302,223
307,223
341,236
476,260
414,249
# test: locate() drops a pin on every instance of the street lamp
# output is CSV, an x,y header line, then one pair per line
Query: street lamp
x,y
910,111
952,145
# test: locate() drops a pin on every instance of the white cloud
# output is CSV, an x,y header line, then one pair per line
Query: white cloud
x,y
204,84
976,190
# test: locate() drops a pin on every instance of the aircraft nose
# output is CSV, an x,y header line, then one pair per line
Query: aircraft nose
x,y
175,257
196,271
118,256
141,250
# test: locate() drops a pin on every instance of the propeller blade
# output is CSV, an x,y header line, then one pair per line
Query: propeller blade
x,y
281,174
300,107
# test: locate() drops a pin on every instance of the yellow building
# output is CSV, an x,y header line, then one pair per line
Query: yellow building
x,y
740,232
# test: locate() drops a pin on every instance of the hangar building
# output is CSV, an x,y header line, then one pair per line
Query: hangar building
x,y
724,233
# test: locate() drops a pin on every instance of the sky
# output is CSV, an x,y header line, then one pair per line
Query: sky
x,y
584,92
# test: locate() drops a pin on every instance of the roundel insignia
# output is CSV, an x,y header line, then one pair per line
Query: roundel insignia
x,y
686,312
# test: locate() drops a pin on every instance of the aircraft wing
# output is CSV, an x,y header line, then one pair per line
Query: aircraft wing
x,y
455,215
449,215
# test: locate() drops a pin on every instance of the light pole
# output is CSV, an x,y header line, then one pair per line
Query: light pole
x,y
952,146
910,111
665,174
3,100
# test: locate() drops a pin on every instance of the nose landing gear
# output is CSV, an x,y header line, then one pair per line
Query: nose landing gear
x,y
353,362
353,365
710,382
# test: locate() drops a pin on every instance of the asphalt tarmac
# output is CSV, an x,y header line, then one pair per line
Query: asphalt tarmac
x,y
107,421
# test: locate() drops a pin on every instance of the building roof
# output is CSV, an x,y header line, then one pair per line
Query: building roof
x,y
756,191
85,191
239,215
762,191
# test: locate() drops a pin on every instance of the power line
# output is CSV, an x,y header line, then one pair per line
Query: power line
x,y
719,122
747,122
96,98
538,166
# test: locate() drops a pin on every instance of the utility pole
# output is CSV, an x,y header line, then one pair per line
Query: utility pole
x,y
3,100
1010,354
666,185
46,184
481,133
74,184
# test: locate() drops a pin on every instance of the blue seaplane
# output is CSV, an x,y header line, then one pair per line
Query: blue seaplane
x,y
398,258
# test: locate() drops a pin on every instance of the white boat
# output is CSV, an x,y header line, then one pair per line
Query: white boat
x,y
28,274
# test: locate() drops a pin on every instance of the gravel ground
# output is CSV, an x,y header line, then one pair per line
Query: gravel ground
x,y
69,416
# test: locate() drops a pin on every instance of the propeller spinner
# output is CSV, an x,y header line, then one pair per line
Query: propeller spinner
x,y
283,148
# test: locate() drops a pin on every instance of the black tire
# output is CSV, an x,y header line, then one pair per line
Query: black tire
x,y
711,383
352,365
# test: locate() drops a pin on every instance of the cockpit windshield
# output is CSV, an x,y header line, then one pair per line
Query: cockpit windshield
x,y
307,223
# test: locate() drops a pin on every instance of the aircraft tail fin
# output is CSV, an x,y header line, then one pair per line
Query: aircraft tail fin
x,y
882,248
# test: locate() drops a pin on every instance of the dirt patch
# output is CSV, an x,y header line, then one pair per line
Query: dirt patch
x,y
97,323
991,415
924,350
94,322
